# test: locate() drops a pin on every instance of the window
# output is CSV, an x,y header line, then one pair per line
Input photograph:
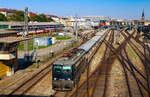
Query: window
x,y
67,69
57,69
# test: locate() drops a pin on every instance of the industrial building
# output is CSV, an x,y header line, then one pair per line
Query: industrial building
x,y
8,52
19,26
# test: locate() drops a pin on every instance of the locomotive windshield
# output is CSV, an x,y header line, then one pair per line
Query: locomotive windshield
x,y
67,70
62,72
67,73
57,69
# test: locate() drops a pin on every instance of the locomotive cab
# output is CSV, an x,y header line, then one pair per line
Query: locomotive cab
x,y
64,72
62,77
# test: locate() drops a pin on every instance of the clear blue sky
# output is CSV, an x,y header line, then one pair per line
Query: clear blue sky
x,y
125,9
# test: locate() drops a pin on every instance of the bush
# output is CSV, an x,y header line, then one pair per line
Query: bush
x,y
2,17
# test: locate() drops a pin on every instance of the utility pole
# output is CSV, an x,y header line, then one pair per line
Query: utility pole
x,y
76,27
26,56
117,34
86,60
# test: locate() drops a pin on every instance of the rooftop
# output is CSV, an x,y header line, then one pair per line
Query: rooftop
x,y
12,39
7,31
6,10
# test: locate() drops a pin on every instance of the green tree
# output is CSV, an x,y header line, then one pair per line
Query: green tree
x,y
43,18
17,16
40,18
50,19
2,17
34,18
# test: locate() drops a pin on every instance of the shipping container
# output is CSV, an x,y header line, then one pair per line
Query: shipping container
x,y
62,34
43,41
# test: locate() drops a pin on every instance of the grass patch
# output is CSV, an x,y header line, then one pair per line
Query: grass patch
x,y
30,45
131,52
59,37
63,38
117,43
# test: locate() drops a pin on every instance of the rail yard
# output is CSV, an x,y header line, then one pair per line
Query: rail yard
x,y
74,48
118,67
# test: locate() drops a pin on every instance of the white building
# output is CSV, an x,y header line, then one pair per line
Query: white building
x,y
95,18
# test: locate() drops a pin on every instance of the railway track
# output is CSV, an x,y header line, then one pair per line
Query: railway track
x,y
138,41
106,57
140,54
27,85
82,92
137,83
97,75
30,83
144,59
102,69
97,84
128,66
97,87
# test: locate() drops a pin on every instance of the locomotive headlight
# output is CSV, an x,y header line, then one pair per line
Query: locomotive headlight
x,y
68,78
55,78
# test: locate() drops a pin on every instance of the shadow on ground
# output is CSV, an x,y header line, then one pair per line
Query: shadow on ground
x,y
23,65
23,96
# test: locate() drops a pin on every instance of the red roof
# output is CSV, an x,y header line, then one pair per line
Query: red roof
x,y
3,9
31,13
51,15
8,10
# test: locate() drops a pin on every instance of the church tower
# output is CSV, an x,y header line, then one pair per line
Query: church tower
x,y
143,16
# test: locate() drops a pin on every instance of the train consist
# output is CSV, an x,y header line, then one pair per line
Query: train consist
x,y
102,23
35,32
66,70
